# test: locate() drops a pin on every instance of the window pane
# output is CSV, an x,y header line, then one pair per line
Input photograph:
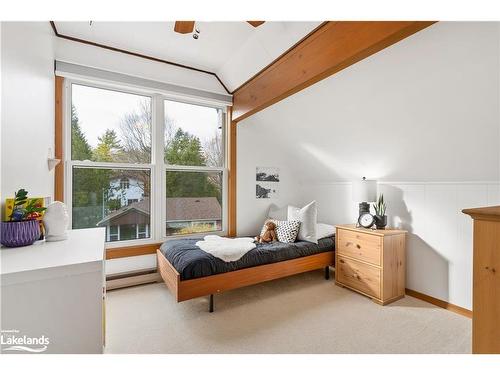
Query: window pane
x,y
193,135
194,202
110,126
100,200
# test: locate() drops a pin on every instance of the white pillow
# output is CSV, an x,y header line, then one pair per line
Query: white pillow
x,y
307,216
286,231
324,230
277,213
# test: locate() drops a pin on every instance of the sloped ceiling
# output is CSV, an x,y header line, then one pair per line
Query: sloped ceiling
x,y
235,51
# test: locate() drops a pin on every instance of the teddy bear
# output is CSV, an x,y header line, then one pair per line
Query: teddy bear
x,y
269,234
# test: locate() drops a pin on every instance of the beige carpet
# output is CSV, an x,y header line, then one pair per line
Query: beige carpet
x,y
299,314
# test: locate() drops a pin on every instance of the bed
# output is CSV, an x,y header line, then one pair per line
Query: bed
x,y
189,272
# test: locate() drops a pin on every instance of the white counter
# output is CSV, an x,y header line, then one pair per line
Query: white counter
x,y
56,289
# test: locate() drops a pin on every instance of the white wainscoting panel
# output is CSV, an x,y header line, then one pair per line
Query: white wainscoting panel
x,y
130,264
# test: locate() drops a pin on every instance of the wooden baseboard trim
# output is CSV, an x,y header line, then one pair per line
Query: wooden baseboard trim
x,y
440,303
130,251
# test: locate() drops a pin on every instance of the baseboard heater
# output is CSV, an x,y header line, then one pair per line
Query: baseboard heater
x,y
127,279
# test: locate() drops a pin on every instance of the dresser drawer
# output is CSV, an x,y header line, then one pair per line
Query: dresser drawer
x,y
359,245
357,275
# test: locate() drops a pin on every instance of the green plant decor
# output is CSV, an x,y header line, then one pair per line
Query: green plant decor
x,y
380,206
25,208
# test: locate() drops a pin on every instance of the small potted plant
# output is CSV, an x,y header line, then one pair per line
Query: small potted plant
x,y
23,227
380,217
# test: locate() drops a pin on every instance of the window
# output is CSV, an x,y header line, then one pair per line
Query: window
x,y
142,231
194,174
193,135
110,126
110,136
194,202
122,179
99,199
113,233
124,183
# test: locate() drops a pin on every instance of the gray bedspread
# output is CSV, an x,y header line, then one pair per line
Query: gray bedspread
x,y
191,262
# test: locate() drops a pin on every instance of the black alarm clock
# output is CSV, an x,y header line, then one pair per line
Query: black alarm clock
x,y
365,218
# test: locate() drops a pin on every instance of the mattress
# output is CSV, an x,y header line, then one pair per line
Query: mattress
x,y
191,262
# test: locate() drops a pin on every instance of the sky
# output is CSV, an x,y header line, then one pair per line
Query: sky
x,y
100,109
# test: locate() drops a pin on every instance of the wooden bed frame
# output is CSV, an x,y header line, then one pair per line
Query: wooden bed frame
x,y
184,290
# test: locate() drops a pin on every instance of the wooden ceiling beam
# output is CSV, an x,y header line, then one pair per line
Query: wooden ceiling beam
x,y
256,23
184,27
329,49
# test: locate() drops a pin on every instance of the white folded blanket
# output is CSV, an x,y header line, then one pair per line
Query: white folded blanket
x,y
227,249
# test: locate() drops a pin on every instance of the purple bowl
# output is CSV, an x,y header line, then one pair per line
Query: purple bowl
x,y
19,233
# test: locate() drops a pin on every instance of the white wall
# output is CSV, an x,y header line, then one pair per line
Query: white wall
x,y
27,107
96,57
422,117
259,146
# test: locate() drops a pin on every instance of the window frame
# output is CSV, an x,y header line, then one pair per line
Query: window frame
x,y
158,167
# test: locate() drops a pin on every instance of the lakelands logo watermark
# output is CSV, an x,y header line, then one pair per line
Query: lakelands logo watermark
x,y
12,340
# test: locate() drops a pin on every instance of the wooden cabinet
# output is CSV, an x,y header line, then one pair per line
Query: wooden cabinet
x,y
53,293
486,280
359,276
371,262
360,246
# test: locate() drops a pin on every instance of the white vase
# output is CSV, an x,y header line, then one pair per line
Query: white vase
x,y
55,221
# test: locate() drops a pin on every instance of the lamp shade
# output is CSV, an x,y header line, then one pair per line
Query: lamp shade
x,y
364,190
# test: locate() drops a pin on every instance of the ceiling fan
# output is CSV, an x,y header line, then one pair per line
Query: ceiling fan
x,y
187,27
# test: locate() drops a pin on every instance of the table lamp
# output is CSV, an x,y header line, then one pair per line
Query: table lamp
x,y
363,192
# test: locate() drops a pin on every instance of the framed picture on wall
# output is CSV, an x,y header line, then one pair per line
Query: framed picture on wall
x,y
267,182
266,190
267,174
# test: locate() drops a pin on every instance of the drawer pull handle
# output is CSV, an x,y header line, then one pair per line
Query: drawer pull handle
x,y
349,243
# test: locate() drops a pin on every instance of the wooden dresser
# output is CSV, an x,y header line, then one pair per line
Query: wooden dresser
x,y
486,280
371,262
